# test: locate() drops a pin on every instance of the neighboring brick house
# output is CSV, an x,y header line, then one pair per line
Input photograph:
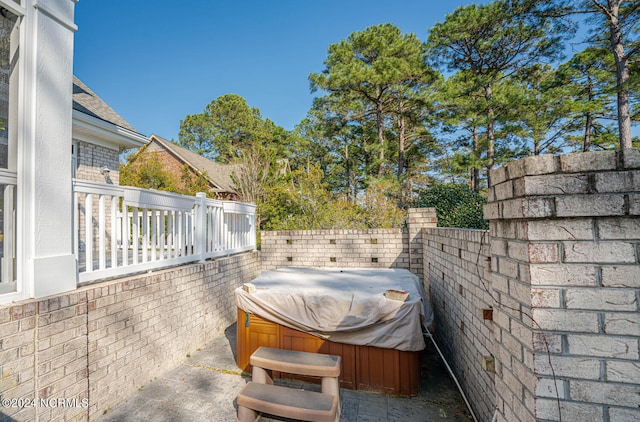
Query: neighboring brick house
x,y
174,158
99,134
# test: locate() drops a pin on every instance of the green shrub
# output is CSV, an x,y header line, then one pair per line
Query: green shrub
x,y
456,206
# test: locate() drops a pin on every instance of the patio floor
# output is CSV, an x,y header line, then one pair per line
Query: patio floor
x,y
205,385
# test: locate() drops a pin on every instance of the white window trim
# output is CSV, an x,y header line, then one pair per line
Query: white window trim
x,y
13,7
74,159
20,290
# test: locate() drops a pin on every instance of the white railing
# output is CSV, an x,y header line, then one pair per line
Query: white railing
x,y
8,182
122,230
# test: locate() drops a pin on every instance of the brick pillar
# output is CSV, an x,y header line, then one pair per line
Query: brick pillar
x,y
417,219
565,261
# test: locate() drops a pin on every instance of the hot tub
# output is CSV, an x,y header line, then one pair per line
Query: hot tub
x,y
343,312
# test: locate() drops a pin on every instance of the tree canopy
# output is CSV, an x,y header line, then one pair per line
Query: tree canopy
x,y
398,121
492,42
378,83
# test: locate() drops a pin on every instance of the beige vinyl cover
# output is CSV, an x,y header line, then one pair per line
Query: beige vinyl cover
x,y
343,305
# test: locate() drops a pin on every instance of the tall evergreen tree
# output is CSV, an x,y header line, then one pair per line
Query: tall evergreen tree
x,y
614,27
460,112
541,110
382,68
621,18
492,41
588,80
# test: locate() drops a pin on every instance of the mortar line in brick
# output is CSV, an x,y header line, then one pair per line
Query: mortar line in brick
x,y
36,362
603,370
601,323
627,204
591,183
86,301
564,345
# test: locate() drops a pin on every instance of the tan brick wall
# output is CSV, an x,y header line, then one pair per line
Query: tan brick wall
x,y
565,245
563,280
92,159
376,248
122,333
417,219
456,266
17,356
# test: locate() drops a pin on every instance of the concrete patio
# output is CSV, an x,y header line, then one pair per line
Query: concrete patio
x,y
205,385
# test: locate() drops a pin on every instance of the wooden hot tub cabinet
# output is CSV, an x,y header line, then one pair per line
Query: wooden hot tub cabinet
x,y
365,368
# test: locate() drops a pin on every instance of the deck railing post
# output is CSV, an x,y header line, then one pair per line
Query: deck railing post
x,y
201,225
254,228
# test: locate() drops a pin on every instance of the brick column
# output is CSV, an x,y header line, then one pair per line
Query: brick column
x,y
565,260
417,219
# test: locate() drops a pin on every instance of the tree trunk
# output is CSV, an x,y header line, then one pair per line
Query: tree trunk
x,y
622,73
589,121
347,165
401,147
401,141
488,94
587,133
380,125
474,182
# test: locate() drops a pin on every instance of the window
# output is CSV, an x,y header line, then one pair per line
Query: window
x,y
9,35
9,73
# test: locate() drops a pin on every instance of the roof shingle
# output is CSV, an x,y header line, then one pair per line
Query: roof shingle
x,y
86,101
218,174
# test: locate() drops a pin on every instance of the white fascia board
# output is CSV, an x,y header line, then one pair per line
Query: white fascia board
x,y
91,129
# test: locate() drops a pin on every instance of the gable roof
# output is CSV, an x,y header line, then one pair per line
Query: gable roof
x,y
219,175
95,122
87,102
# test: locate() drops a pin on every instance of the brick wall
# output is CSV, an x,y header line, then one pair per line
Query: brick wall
x,y
417,219
169,162
375,248
564,282
92,159
383,248
121,333
565,245
455,263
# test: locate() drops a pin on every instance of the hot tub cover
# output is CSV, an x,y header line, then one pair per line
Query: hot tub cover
x,y
343,305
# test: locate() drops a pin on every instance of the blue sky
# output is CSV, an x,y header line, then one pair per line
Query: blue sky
x,y
155,62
